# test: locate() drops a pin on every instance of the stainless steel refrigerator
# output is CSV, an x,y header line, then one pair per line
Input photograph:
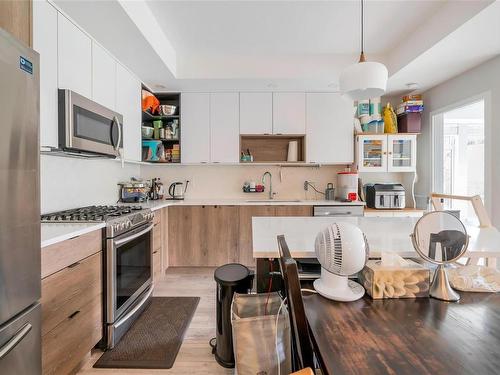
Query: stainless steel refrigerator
x,y
20,313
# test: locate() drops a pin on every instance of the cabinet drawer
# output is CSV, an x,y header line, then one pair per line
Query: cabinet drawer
x,y
70,290
156,265
338,210
157,237
60,255
67,344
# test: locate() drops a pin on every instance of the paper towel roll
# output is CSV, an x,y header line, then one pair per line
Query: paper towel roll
x,y
293,151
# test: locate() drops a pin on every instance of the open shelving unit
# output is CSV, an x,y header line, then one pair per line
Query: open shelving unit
x,y
168,144
271,148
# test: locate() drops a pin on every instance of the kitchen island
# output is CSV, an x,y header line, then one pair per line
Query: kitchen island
x,y
384,234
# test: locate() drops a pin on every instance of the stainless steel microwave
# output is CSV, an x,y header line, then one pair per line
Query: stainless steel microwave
x,y
88,127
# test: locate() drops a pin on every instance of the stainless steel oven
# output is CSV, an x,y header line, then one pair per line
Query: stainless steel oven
x,y
128,286
88,127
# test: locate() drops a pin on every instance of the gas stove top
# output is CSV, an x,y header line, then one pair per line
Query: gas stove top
x,y
118,219
90,214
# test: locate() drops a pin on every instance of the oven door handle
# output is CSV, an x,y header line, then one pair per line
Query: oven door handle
x,y
134,310
134,236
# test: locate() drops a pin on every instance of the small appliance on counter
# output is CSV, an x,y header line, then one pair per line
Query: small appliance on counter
x,y
156,191
134,191
329,192
385,196
347,186
253,187
176,190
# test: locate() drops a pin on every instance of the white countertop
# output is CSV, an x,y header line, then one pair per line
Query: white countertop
x,y
54,232
156,205
391,234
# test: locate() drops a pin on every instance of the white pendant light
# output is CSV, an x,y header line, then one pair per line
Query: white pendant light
x,y
363,80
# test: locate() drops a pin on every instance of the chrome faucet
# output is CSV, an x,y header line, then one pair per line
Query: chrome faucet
x,y
271,193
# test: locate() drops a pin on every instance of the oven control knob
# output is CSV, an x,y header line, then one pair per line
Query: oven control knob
x,y
122,226
116,227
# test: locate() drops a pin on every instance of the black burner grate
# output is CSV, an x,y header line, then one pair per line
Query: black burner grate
x,y
89,214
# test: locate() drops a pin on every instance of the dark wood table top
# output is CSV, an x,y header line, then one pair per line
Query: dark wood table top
x,y
406,336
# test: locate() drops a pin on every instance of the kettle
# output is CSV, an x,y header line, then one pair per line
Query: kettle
x,y
176,191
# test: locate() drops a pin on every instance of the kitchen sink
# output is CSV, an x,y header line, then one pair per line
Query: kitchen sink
x,y
274,200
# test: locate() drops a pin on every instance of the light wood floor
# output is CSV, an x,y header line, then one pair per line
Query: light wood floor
x,y
195,356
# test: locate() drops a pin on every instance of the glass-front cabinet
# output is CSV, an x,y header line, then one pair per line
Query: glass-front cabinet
x,y
386,152
401,152
371,153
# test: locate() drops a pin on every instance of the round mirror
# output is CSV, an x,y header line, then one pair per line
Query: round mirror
x,y
440,238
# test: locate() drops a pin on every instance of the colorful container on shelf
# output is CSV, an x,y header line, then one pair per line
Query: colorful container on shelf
x,y
152,150
409,114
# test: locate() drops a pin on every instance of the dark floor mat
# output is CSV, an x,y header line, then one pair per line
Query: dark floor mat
x,y
155,338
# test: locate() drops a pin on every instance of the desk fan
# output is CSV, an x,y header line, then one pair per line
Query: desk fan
x,y
342,250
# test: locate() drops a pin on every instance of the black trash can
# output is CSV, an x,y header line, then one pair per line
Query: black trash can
x,y
230,278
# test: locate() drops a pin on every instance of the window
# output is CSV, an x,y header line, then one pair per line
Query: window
x,y
459,156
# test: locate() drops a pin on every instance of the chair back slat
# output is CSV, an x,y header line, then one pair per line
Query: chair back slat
x,y
300,331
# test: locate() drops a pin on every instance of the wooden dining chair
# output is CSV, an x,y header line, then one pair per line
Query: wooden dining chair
x,y
304,371
452,243
300,333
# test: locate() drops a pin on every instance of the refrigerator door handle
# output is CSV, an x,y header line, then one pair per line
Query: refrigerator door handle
x,y
16,339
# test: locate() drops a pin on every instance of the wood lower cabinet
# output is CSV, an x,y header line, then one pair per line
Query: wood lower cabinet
x,y
222,234
60,255
66,291
15,17
202,235
294,211
157,246
245,224
71,314
216,235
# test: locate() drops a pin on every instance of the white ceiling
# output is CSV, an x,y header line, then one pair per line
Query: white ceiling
x,y
287,27
289,45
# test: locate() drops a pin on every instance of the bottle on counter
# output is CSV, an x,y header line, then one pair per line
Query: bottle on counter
x,y
160,191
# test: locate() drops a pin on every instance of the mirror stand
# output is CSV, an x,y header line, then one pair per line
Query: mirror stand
x,y
440,287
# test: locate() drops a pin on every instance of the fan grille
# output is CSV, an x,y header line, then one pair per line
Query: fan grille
x,y
330,239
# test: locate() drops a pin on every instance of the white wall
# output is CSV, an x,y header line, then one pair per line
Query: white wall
x,y
484,78
69,183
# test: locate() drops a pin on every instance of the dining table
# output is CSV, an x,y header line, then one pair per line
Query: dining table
x,y
406,336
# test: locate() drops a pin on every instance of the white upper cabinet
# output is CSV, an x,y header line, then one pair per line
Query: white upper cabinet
x,y
45,43
224,127
256,113
128,103
195,128
329,136
74,58
103,77
289,113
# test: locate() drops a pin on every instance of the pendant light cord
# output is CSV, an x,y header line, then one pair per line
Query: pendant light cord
x,y
362,28
362,55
